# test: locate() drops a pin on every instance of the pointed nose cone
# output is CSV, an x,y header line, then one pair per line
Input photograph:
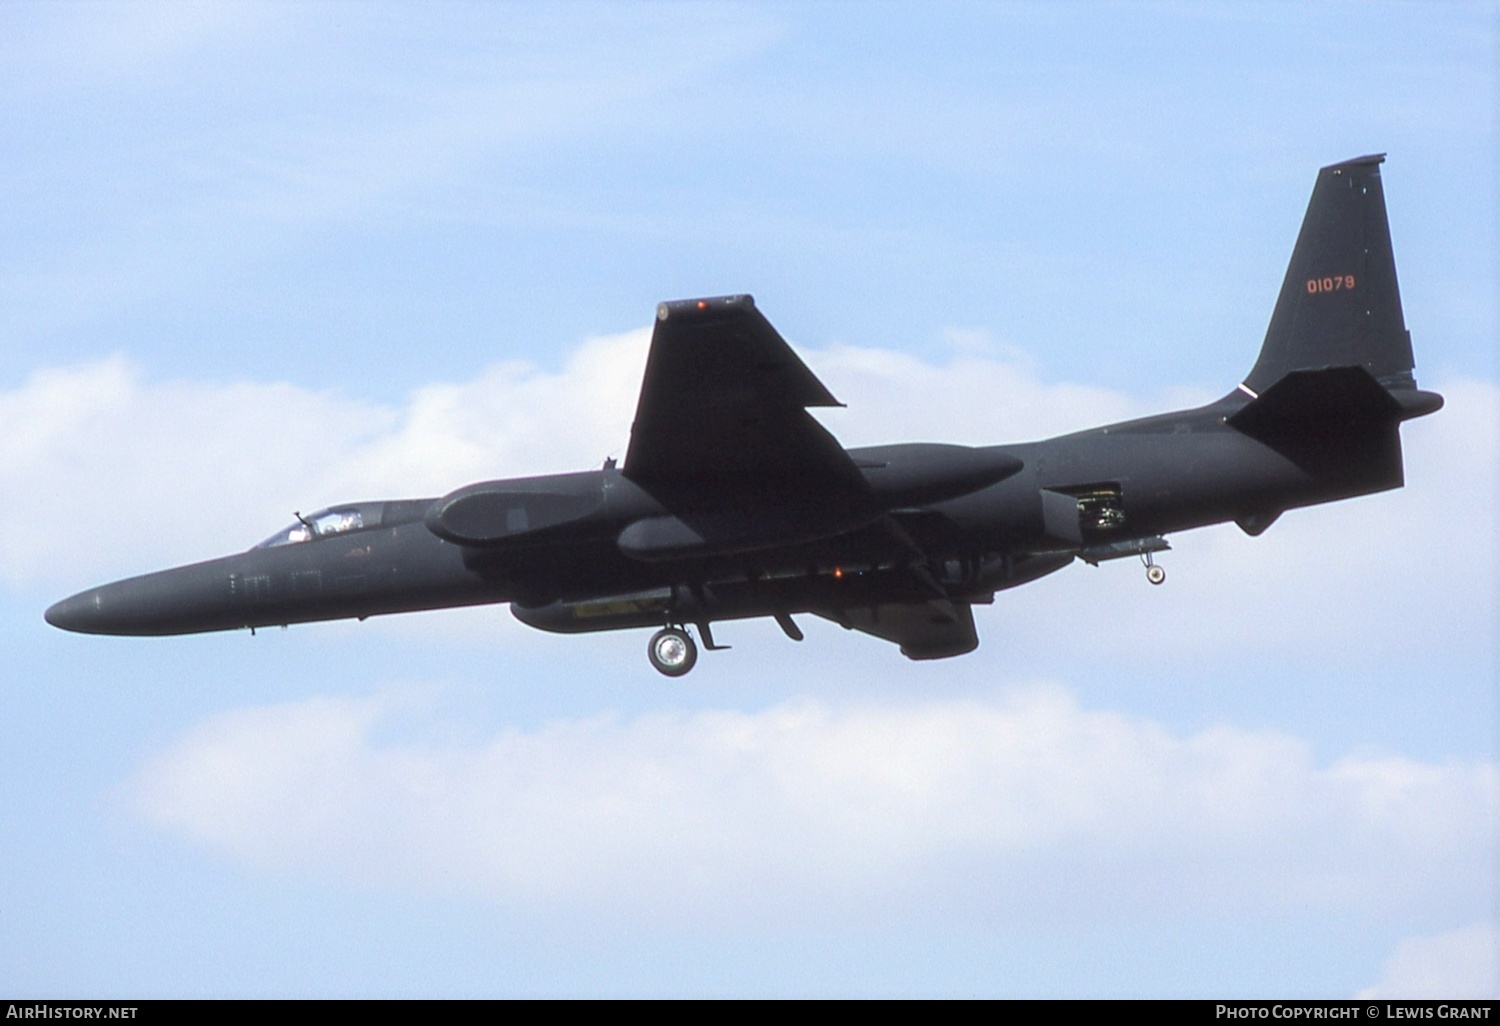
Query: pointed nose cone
x,y
83,612
181,601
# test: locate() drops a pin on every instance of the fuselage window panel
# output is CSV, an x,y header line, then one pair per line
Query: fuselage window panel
x,y
321,524
336,521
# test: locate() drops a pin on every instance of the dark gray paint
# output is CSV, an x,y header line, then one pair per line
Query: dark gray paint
x,y
733,502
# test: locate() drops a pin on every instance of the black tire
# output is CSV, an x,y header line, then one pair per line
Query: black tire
x,y
672,652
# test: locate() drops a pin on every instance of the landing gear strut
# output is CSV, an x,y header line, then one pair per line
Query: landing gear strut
x,y
672,651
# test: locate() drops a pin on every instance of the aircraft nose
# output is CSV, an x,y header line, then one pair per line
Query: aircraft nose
x,y
183,600
83,612
160,603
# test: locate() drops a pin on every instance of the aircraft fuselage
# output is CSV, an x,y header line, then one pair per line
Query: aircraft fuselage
x,y
733,501
1139,479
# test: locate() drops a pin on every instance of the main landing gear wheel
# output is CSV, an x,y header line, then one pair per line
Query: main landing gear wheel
x,y
672,651
1155,574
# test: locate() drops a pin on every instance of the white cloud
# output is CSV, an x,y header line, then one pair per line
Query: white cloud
x,y
117,473
1023,806
120,472
1460,964
112,471
972,400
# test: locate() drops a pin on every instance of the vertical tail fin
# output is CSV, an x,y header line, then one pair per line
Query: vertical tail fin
x,y
1339,305
1334,378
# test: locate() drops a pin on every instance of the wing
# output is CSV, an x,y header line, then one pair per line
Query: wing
x,y
723,411
924,630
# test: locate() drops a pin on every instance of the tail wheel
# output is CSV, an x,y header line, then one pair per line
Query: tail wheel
x,y
672,651
1156,574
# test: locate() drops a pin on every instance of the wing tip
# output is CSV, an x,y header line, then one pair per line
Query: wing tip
x,y
707,306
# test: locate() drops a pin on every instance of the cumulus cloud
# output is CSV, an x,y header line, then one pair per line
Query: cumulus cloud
x,y
514,418
1463,963
117,472
1020,806
971,400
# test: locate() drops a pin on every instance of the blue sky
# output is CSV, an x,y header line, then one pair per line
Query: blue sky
x,y
258,258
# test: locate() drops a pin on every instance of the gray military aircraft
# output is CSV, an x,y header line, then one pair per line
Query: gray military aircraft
x,y
733,502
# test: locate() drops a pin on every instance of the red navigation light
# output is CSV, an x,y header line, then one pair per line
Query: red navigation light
x,y
702,304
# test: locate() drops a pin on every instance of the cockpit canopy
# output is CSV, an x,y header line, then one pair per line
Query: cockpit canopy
x,y
344,519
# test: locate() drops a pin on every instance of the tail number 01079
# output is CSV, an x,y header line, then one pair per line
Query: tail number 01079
x,y
1337,283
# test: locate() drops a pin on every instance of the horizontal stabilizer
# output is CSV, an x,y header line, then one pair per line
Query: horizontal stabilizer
x,y
1336,422
1333,400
